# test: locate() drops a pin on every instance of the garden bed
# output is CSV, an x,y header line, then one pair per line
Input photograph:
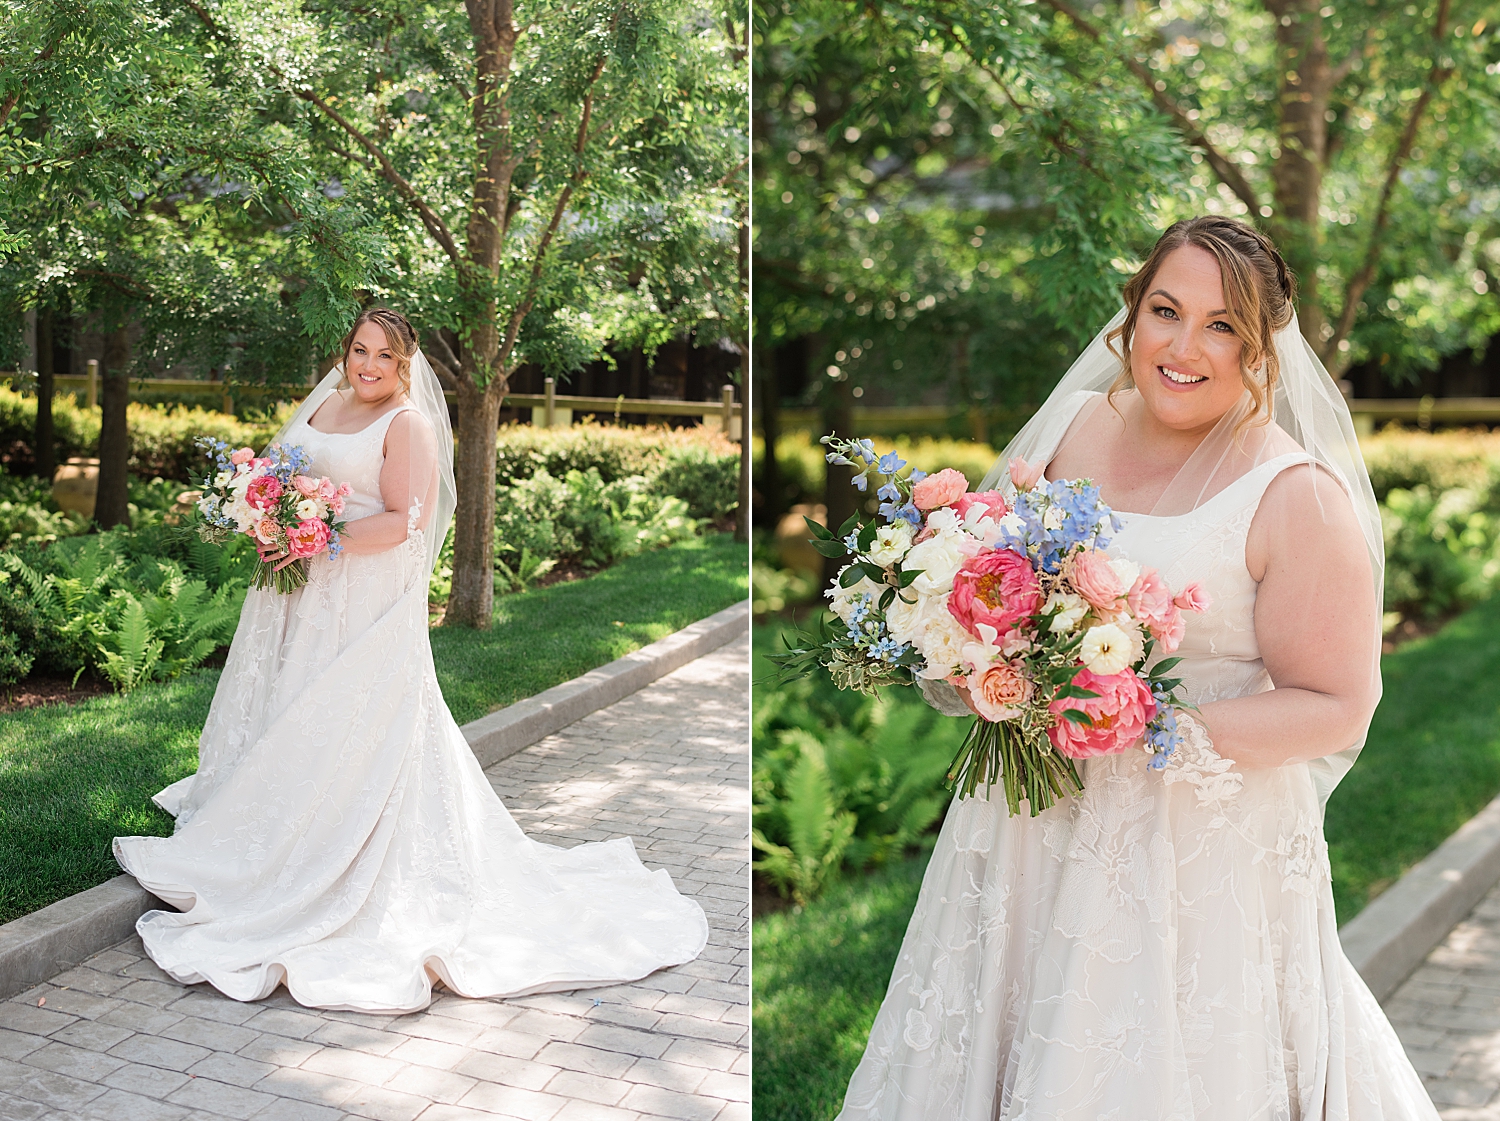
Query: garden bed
x,y
74,777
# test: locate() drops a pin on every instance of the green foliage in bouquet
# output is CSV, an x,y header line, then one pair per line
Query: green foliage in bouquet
x,y
842,781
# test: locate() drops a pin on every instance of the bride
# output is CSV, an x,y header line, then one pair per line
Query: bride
x,y
340,837
1163,946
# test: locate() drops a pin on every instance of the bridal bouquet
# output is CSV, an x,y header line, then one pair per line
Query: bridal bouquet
x,y
1020,604
271,499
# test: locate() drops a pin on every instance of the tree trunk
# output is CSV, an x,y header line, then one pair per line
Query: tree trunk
x,y
767,408
839,495
472,603
111,507
1306,81
44,441
742,515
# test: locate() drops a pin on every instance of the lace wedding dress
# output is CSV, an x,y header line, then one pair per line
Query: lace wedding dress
x,y
341,838
1162,947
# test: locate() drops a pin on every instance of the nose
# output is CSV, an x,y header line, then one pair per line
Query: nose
x,y
1187,343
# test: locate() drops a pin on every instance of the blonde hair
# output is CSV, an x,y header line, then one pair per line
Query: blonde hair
x,y
399,336
1259,291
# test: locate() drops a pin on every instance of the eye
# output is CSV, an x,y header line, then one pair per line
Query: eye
x,y
1222,327
1166,311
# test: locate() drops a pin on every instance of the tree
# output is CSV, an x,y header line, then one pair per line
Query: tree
x,y
553,174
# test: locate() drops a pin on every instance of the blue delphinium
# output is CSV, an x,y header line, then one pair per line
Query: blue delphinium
x,y
1162,735
1079,518
888,493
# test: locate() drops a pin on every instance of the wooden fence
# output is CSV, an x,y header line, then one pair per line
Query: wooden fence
x,y
548,407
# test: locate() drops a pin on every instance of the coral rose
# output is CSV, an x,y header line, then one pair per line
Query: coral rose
x,y
307,538
1193,598
1096,580
1119,713
942,489
999,691
998,588
263,492
243,455
992,503
1023,475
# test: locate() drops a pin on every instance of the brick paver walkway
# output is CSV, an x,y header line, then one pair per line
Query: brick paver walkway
x,y
1447,1013
115,1039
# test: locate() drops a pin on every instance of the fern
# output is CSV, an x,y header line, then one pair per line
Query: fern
x,y
818,832
135,650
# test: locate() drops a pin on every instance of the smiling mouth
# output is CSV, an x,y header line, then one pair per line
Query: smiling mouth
x,y
1181,378
367,379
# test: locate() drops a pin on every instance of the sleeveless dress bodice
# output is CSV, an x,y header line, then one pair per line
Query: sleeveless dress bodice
x,y
339,836
1162,946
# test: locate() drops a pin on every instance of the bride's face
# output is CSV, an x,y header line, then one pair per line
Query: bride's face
x,y
1185,357
372,367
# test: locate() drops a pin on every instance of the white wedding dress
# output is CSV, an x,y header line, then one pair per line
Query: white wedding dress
x,y
1162,947
341,838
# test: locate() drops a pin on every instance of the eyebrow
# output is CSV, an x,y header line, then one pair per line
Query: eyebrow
x,y
1164,293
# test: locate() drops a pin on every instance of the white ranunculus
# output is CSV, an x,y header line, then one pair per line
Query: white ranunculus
x,y
841,601
222,478
310,508
938,559
1133,633
1105,649
1073,609
891,543
942,644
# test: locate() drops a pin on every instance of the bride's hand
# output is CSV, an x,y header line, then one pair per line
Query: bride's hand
x,y
270,554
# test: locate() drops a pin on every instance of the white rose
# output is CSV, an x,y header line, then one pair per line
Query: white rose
x,y
1105,650
241,482
243,514
1126,571
941,643
842,600
222,478
309,508
905,620
1070,611
938,559
891,543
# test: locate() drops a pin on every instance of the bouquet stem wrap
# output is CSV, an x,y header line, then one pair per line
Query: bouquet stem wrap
x,y
282,581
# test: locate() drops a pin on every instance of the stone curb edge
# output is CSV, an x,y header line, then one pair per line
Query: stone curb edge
x,y
1394,934
46,942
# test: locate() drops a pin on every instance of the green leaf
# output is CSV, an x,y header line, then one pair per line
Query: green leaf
x,y
867,536
907,575
848,527
1163,666
820,531
1077,716
1075,692
830,548
851,576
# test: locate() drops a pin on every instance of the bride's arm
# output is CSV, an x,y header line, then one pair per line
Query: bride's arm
x,y
1316,622
409,472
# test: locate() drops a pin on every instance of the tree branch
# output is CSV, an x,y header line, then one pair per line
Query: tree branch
x,y
445,354
430,219
1360,282
523,309
1228,174
10,102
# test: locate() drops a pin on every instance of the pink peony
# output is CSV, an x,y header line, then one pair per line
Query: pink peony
x,y
263,492
998,587
1023,475
306,485
1095,580
1193,598
942,489
999,691
243,455
307,539
992,500
1119,713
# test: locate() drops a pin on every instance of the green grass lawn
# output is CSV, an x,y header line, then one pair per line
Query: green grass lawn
x,y
1431,762
553,634
73,778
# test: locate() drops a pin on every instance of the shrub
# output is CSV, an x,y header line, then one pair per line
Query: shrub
x,y
696,464
161,436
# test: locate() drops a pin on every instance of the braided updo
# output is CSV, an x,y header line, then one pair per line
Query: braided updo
x,y
1259,295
